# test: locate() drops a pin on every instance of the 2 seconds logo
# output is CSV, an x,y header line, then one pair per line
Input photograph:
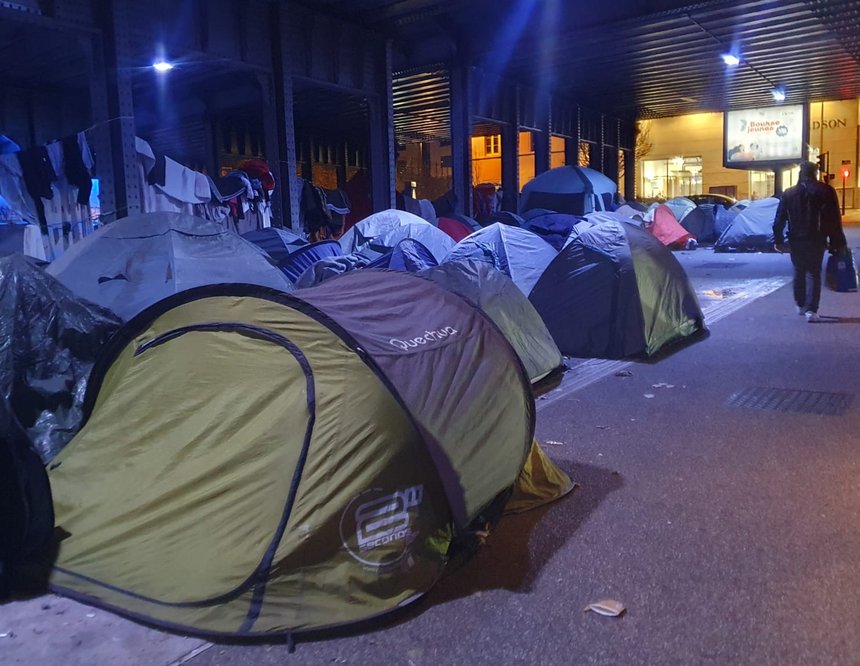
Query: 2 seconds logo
x,y
376,527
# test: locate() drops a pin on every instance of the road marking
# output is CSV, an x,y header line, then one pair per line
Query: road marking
x,y
718,304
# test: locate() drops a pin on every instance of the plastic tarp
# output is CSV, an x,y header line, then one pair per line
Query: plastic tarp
x,y
615,291
499,298
518,253
665,228
130,264
751,229
569,189
277,243
378,234
49,340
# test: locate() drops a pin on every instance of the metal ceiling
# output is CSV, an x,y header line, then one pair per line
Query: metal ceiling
x,y
632,58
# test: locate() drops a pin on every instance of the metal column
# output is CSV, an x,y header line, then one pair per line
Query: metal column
x,y
571,146
288,192
120,192
381,108
510,157
461,138
543,138
271,145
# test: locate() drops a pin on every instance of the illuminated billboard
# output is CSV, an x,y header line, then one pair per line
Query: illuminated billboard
x,y
766,137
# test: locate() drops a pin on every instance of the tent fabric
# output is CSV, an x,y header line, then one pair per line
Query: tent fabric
x,y
666,228
518,253
499,298
680,207
554,228
325,269
408,255
569,189
306,256
378,234
699,222
751,230
304,440
630,211
277,243
616,292
136,261
723,218
49,341
539,483
456,229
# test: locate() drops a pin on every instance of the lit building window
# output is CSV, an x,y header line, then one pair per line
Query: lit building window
x,y
493,145
675,177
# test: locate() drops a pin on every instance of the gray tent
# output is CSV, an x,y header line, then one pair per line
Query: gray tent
x,y
139,260
502,301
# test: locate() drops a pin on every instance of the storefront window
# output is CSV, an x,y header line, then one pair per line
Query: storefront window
x,y
761,184
674,177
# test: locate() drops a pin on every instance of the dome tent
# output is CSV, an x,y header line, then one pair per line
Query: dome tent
x,y
498,297
518,253
751,230
324,451
666,228
615,291
700,222
136,261
569,189
378,234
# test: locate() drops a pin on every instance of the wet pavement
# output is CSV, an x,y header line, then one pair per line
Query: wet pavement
x,y
727,527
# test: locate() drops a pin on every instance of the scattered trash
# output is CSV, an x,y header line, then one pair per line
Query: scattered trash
x,y
649,395
602,427
623,373
7,634
552,442
91,614
662,385
607,607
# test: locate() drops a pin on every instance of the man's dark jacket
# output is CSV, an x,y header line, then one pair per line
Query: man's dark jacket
x,y
811,210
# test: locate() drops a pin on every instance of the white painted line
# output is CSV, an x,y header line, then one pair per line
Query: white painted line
x,y
588,371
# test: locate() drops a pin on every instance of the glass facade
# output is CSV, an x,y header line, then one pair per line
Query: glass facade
x,y
674,177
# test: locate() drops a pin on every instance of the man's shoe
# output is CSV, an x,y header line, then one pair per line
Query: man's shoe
x,y
812,316
801,310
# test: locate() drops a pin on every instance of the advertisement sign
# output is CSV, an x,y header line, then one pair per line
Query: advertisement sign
x,y
765,137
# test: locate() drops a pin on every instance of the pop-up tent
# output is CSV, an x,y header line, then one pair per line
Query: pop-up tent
x,y
49,340
307,255
457,226
500,299
518,253
138,260
751,230
554,228
615,291
257,462
680,207
378,234
408,255
569,189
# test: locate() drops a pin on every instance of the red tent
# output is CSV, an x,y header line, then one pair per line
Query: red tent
x,y
667,229
454,228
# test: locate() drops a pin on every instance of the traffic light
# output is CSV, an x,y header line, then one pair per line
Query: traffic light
x,y
822,166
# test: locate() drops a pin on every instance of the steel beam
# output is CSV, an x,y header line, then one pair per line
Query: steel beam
x,y
461,138
382,148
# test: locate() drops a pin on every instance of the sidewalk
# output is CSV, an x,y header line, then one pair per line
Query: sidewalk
x,y
729,532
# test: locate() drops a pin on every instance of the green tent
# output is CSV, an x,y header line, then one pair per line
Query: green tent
x,y
260,462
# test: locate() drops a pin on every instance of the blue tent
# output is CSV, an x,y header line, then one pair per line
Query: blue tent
x,y
615,291
518,253
408,255
554,228
306,256
700,222
751,230
277,243
569,189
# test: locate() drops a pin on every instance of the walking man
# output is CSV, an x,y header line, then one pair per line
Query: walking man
x,y
811,209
